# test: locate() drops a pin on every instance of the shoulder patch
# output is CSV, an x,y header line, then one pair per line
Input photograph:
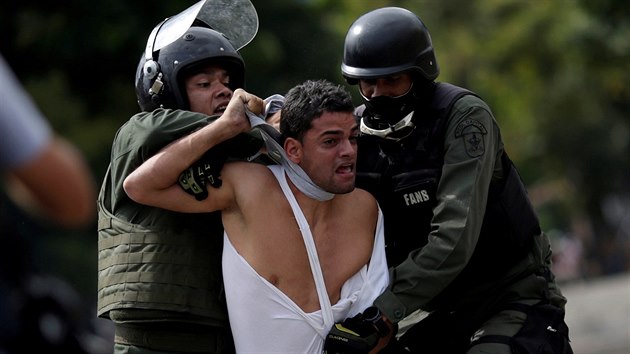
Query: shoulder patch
x,y
473,134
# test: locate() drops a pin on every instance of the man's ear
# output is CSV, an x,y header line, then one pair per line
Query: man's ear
x,y
293,149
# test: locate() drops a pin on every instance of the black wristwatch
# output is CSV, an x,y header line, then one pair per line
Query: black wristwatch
x,y
373,315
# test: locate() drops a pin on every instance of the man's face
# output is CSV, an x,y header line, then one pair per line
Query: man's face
x,y
330,152
208,90
390,86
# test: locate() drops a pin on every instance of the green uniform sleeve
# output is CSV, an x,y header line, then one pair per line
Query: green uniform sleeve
x,y
147,132
141,137
472,148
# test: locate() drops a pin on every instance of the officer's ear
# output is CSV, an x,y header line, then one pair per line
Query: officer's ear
x,y
293,149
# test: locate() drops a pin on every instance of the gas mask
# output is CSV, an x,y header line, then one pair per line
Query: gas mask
x,y
389,117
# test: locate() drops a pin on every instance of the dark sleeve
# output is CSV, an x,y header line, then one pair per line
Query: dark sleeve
x,y
471,146
146,133
142,136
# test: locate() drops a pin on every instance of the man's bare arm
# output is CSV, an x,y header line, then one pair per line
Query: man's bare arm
x,y
155,182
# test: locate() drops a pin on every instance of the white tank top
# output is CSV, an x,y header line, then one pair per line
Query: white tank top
x,y
264,320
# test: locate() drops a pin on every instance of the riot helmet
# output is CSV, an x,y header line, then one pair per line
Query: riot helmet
x,y
159,79
383,43
203,33
387,41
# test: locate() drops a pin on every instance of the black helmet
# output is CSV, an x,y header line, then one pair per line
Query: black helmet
x,y
387,41
158,76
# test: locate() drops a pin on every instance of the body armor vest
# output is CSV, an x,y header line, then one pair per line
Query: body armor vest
x,y
177,269
403,176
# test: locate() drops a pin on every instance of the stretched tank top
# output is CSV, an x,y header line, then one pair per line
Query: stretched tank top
x,y
265,320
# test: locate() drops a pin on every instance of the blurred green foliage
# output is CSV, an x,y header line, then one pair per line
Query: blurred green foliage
x,y
556,74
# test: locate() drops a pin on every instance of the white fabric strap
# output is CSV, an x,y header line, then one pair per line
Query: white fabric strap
x,y
311,249
296,174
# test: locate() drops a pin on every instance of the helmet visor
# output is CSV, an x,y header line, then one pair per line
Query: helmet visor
x,y
220,15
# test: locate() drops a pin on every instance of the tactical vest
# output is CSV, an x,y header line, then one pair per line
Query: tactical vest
x,y
177,269
403,176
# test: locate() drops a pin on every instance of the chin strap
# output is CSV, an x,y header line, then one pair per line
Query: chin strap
x,y
276,152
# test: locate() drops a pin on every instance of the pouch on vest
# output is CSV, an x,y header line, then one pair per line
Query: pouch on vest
x,y
411,203
544,331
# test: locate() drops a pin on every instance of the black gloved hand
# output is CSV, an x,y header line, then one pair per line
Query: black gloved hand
x,y
353,335
207,170
203,172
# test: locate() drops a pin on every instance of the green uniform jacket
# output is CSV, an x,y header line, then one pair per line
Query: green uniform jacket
x,y
472,158
150,258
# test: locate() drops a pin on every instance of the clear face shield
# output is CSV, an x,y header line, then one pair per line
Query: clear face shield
x,y
236,19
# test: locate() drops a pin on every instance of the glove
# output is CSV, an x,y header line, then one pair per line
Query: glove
x,y
203,172
207,170
353,335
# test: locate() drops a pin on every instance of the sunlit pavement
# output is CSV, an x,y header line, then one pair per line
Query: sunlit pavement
x,y
598,315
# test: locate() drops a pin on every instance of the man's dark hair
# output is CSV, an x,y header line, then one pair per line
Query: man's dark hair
x,y
309,101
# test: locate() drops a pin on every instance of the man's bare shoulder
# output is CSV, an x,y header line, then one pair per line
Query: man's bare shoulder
x,y
242,170
249,179
362,202
364,196
359,215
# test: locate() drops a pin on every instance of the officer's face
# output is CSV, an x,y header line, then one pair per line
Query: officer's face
x,y
391,86
208,90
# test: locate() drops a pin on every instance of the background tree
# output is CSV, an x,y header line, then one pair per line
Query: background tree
x,y
556,74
